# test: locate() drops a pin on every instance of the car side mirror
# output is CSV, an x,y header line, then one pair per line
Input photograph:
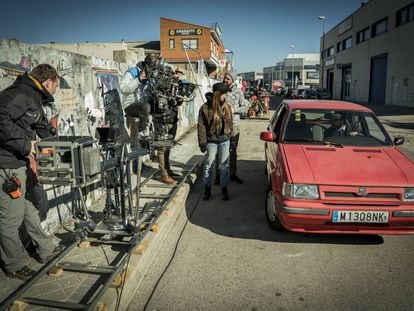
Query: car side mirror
x,y
267,136
399,140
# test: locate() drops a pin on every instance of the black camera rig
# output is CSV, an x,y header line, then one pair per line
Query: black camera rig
x,y
165,92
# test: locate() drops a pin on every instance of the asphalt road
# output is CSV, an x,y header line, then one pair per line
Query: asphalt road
x,y
222,256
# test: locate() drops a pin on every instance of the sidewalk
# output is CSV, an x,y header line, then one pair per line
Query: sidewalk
x,y
398,121
74,287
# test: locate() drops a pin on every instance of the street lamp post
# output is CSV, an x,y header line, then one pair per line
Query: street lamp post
x,y
271,81
280,69
322,18
293,63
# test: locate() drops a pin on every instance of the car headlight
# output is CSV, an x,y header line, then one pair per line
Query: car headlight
x,y
408,195
301,191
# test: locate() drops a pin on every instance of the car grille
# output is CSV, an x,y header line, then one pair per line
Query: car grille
x,y
361,195
329,194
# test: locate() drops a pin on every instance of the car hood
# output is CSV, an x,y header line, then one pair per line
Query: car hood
x,y
348,165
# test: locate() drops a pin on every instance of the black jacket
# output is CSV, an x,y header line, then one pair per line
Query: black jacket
x,y
207,133
21,118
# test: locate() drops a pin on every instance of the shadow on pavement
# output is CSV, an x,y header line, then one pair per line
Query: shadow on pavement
x,y
390,110
243,216
402,125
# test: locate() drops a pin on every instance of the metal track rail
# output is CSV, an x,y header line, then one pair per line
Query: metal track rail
x,y
106,273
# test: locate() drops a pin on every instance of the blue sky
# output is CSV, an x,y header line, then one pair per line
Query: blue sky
x,y
258,32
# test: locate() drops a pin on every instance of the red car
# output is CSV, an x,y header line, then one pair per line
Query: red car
x,y
332,168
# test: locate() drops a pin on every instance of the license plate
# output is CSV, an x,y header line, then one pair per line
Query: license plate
x,y
360,217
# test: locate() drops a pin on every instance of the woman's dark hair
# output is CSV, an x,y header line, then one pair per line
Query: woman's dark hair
x,y
44,72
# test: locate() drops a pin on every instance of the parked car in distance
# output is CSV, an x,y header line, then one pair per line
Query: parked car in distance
x,y
298,93
289,92
323,93
332,168
308,94
281,91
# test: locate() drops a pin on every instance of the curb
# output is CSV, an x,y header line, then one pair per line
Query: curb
x,y
143,254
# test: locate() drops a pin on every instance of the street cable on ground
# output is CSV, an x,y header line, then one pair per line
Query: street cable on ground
x,y
173,254
123,278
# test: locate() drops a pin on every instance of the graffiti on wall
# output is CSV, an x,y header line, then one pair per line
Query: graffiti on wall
x,y
64,70
9,69
107,80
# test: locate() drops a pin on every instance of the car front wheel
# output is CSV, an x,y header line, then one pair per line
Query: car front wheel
x,y
271,216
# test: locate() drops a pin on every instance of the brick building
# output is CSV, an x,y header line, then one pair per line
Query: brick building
x,y
182,42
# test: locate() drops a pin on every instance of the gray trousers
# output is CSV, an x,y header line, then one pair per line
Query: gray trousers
x,y
13,213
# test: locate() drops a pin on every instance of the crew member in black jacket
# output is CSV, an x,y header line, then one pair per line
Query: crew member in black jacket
x,y
22,120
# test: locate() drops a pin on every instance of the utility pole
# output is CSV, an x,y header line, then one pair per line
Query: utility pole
x,y
322,18
293,64
280,69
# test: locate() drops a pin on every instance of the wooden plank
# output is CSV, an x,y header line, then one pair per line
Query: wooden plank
x,y
84,244
140,249
18,305
55,271
122,277
155,227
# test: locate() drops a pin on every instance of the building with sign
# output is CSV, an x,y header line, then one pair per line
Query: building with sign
x,y
303,67
368,56
183,44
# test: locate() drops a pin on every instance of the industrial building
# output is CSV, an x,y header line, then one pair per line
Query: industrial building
x,y
368,57
303,67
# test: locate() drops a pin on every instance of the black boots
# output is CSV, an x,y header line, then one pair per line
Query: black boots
x,y
236,179
225,194
206,193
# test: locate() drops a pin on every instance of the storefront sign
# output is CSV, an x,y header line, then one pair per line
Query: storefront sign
x,y
185,32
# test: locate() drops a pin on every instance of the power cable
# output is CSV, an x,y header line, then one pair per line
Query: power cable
x,y
173,254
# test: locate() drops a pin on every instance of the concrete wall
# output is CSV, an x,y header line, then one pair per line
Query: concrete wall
x,y
116,51
78,99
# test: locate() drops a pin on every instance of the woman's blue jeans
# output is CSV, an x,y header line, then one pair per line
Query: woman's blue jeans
x,y
223,150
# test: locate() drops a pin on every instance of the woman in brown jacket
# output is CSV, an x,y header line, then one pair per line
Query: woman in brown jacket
x,y
215,125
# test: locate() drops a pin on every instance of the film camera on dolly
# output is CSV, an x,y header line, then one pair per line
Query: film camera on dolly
x,y
164,92
83,161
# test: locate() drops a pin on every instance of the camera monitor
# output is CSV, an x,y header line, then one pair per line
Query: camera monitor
x,y
105,134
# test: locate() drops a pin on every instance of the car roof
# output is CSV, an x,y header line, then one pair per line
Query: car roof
x,y
324,104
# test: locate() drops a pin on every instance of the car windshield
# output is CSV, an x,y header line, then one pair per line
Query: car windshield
x,y
335,127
